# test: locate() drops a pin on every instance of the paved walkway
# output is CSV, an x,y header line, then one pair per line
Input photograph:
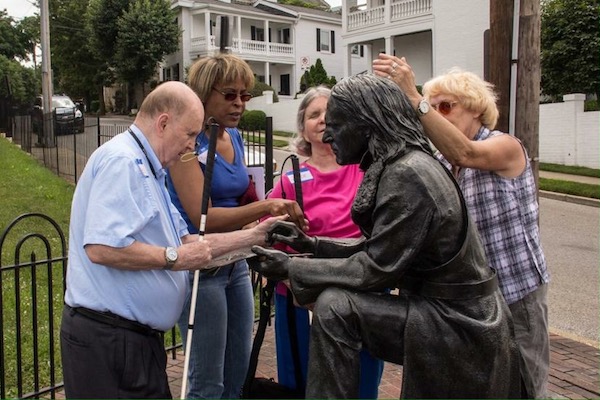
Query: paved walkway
x,y
573,370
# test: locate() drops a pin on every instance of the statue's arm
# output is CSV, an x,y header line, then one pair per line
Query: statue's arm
x,y
338,248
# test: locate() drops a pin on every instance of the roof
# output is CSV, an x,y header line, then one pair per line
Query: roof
x,y
261,7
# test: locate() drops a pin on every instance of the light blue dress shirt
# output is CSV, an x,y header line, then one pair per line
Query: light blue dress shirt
x,y
118,201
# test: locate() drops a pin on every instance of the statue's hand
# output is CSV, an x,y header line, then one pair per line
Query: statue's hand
x,y
288,233
272,264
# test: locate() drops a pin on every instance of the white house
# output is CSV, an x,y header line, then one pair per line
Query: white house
x,y
278,41
433,35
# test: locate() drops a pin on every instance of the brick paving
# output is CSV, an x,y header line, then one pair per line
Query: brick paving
x,y
573,370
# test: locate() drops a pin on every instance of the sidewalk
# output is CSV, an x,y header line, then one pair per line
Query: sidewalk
x,y
573,370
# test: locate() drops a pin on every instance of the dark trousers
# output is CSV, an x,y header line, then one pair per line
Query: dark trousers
x,y
105,361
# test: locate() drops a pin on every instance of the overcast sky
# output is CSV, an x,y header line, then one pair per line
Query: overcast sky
x,y
19,8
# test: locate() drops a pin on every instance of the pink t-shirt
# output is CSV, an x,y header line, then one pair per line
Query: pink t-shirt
x,y
327,198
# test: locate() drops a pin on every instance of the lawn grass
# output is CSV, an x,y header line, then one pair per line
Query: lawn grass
x,y
568,169
279,143
27,187
283,133
572,188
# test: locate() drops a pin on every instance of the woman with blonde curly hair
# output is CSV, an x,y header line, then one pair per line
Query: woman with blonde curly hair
x,y
498,183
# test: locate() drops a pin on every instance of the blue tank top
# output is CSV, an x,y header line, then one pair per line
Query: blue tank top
x,y
229,180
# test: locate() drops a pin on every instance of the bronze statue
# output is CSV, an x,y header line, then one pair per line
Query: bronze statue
x,y
448,325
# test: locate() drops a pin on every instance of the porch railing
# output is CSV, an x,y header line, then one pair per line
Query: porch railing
x,y
399,10
200,45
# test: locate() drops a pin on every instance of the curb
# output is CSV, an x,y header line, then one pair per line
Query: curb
x,y
586,201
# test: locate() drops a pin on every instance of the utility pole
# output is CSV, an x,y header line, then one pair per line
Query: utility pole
x,y
515,70
501,26
47,90
527,120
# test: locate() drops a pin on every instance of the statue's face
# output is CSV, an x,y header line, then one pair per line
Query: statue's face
x,y
348,142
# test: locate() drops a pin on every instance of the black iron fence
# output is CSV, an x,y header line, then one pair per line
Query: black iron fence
x,y
68,151
33,266
33,262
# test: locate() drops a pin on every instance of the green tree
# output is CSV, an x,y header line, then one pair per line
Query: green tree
x,y
17,82
76,68
570,47
146,33
30,28
22,81
316,75
101,25
13,43
302,3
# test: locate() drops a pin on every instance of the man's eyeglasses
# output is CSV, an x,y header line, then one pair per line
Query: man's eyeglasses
x,y
231,96
444,107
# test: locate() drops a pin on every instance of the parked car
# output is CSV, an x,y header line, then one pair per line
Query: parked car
x,y
67,117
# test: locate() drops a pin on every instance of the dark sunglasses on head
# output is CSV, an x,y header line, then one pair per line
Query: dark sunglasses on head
x,y
444,107
231,96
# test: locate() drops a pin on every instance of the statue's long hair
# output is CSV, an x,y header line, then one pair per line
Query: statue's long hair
x,y
379,108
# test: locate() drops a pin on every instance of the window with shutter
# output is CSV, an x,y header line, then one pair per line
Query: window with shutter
x,y
324,40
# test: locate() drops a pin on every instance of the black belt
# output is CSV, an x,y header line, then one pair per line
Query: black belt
x,y
449,291
109,318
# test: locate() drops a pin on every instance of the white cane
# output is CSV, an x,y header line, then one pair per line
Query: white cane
x,y
210,161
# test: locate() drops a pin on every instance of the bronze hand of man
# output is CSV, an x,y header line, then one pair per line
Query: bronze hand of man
x,y
272,264
288,233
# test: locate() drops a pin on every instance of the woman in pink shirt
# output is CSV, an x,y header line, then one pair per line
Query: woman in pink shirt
x,y
328,191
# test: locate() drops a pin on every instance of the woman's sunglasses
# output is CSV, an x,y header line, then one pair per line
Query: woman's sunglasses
x,y
231,96
444,107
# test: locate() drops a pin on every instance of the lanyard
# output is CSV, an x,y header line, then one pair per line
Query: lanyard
x,y
172,223
144,151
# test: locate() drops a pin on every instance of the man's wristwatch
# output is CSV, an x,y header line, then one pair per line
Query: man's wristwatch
x,y
423,107
170,257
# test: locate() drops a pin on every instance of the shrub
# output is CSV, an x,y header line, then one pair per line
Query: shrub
x,y
260,87
95,106
591,105
254,120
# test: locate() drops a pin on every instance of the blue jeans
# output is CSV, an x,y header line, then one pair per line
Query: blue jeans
x,y
222,334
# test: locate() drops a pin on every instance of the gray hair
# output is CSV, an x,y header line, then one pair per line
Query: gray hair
x,y
299,143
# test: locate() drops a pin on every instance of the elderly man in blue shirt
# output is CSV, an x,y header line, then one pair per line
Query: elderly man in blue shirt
x,y
129,254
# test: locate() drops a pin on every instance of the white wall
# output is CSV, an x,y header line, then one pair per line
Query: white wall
x,y
567,135
416,47
283,112
306,46
458,34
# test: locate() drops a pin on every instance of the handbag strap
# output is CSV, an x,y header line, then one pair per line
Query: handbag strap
x,y
265,298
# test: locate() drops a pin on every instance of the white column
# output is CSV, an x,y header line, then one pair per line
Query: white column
x,y
266,25
347,57
267,73
239,32
387,13
368,53
389,45
207,29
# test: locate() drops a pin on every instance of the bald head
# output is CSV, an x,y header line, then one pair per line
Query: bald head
x,y
175,98
171,117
